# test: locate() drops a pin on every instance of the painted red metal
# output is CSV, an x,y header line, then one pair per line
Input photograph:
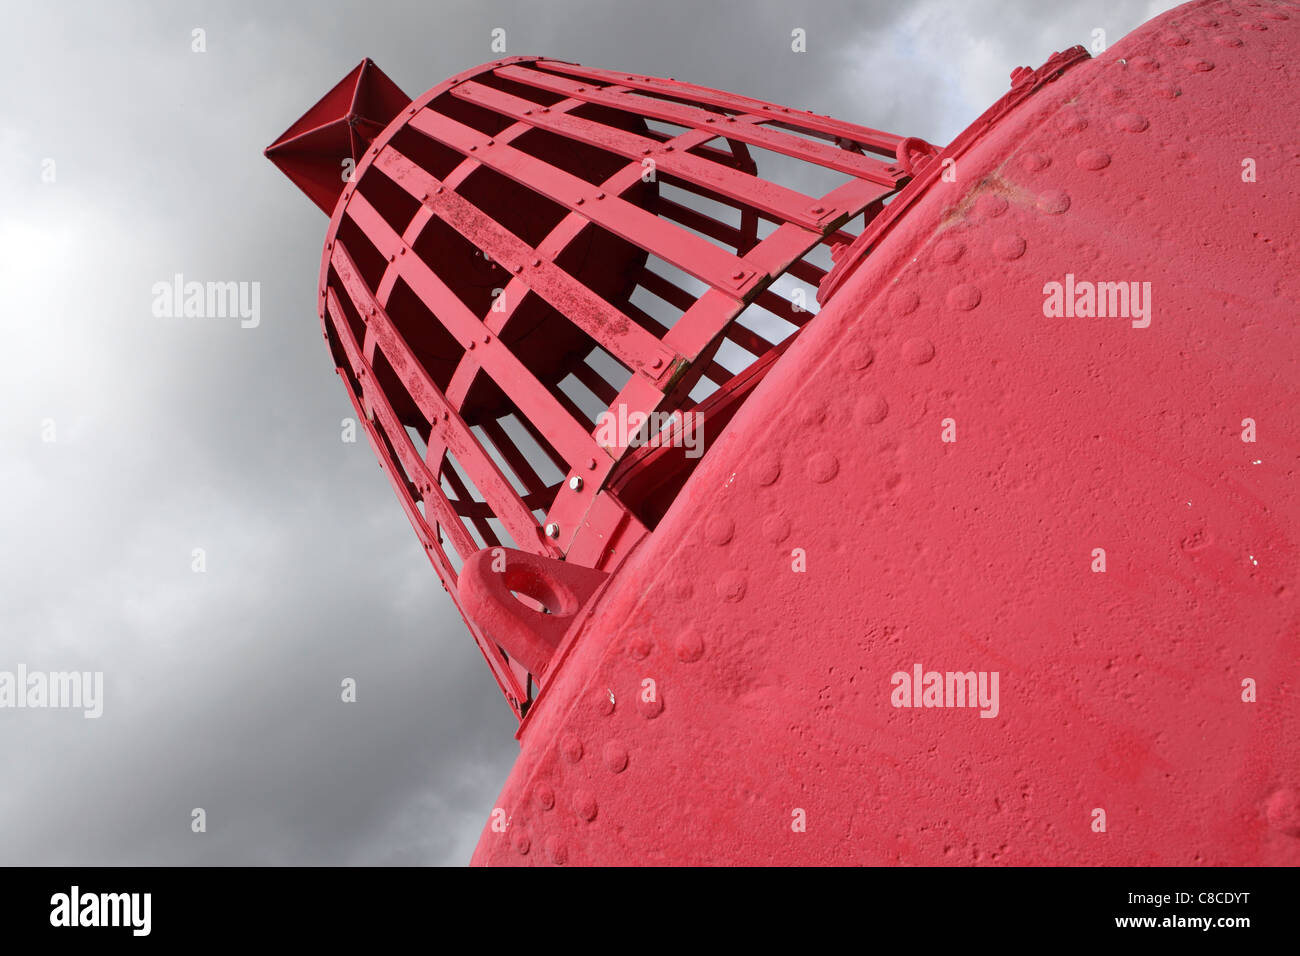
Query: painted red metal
x,y
1095,518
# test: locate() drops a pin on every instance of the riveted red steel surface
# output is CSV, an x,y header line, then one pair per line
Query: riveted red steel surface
x,y
1119,691
939,473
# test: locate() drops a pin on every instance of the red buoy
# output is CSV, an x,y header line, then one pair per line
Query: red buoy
x,y
818,495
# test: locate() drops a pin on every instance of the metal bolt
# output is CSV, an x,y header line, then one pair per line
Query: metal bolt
x,y
552,530
575,483
657,363
580,201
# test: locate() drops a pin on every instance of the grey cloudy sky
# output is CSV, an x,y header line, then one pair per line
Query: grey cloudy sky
x,y
222,688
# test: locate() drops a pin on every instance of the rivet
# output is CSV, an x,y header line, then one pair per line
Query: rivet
x,y
964,296
1053,202
615,756
860,356
1132,122
1282,809
1093,159
552,529
556,851
948,251
719,530
776,527
918,351
1009,246
575,483
822,467
579,201
1033,162
656,363
690,647
731,586
584,804
874,411
904,302
767,470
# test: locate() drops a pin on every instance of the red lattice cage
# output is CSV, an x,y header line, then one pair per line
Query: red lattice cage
x,y
548,287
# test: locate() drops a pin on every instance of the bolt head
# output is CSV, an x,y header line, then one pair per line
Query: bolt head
x,y
552,530
575,483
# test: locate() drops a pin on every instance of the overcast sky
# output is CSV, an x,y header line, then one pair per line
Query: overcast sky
x,y
222,688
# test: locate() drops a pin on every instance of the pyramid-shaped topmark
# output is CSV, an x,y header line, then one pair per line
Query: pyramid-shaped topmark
x,y
342,125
